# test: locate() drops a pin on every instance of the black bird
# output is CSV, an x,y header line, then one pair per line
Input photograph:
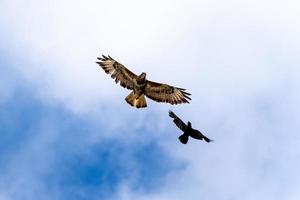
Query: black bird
x,y
187,130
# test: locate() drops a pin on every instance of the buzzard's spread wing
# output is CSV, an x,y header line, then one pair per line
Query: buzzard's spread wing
x,y
179,123
118,71
165,93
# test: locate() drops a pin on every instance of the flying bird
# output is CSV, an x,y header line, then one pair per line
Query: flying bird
x,y
188,131
140,86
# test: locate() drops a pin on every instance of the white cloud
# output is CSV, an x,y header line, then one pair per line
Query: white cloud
x,y
61,41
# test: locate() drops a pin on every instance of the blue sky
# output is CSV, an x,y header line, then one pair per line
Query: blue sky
x,y
67,133
32,145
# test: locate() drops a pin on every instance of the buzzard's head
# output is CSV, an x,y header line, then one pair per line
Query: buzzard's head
x,y
189,124
142,78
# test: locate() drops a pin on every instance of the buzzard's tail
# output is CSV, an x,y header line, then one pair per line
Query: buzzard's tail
x,y
138,102
184,138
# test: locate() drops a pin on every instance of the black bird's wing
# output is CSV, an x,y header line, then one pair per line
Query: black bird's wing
x,y
198,135
179,123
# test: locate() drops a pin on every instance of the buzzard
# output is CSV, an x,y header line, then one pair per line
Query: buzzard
x,y
187,130
141,86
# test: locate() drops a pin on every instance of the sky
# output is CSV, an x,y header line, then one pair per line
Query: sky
x,y
67,132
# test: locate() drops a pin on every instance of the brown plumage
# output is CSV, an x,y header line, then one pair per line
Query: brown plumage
x,y
141,86
187,130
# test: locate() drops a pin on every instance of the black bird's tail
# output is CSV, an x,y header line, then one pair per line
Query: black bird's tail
x,y
184,138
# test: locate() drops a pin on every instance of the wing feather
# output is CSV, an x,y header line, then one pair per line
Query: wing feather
x,y
165,93
117,71
179,123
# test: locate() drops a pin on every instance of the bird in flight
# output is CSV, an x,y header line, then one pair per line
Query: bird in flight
x,y
141,86
188,131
